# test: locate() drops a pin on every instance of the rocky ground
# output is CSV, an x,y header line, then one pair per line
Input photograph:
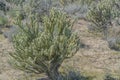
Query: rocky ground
x,y
95,58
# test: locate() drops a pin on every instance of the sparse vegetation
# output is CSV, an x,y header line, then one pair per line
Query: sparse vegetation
x,y
42,42
102,15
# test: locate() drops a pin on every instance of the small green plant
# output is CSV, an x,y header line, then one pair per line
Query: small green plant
x,y
3,20
42,49
103,14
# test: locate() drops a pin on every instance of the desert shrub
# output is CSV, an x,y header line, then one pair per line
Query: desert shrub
x,y
109,77
38,6
117,22
75,75
116,8
117,12
28,7
9,34
82,13
72,8
114,43
103,14
42,49
16,13
3,20
76,10
114,37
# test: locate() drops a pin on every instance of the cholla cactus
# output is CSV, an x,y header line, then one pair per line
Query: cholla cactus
x,y
43,49
103,14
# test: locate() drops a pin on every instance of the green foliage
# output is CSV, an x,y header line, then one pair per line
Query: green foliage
x,y
16,13
103,14
42,49
100,14
3,20
116,8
